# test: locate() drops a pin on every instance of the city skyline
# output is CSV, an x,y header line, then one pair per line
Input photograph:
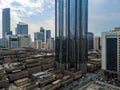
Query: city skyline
x,y
40,13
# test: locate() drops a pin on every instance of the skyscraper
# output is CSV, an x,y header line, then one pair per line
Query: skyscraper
x,y
42,31
50,43
39,36
111,55
22,28
97,45
24,40
5,21
90,40
71,33
48,34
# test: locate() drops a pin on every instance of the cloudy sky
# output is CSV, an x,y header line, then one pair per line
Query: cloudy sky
x,y
103,15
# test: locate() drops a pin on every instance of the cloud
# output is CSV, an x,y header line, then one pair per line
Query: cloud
x,y
33,12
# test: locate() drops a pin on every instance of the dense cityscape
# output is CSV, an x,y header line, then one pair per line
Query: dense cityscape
x,y
75,59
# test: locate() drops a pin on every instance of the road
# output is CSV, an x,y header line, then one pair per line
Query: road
x,y
75,85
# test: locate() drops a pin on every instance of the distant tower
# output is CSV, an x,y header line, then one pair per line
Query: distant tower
x,y
97,45
5,21
90,40
39,36
48,34
22,28
42,31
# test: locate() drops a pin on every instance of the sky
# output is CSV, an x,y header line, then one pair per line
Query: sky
x,y
103,15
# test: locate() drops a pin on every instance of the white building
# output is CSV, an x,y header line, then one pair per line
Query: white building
x,y
18,41
97,43
111,50
24,40
38,44
50,43
44,46
111,55
13,41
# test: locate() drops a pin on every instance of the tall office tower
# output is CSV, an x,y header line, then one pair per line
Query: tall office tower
x,y
42,31
90,40
71,18
39,36
5,21
48,34
97,45
111,55
22,28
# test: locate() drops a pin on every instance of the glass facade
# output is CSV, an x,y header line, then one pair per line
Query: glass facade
x,y
48,34
42,31
90,40
5,21
71,17
39,36
111,53
22,28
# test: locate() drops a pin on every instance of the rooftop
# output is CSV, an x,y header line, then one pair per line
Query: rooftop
x,y
21,23
31,61
99,86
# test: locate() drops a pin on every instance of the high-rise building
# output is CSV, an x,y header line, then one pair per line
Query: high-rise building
x,y
13,41
39,36
22,28
43,46
38,44
42,31
4,42
111,55
71,18
50,43
97,45
5,21
48,34
24,41
90,40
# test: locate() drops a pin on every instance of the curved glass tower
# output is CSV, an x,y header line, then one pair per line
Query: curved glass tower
x,y
71,17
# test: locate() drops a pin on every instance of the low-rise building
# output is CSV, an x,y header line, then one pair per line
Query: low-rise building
x,y
17,75
46,80
73,73
4,82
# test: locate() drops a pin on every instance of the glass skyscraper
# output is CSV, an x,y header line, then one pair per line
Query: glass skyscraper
x,y
48,34
5,21
39,36
42,31
71,17
22,28
90,40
